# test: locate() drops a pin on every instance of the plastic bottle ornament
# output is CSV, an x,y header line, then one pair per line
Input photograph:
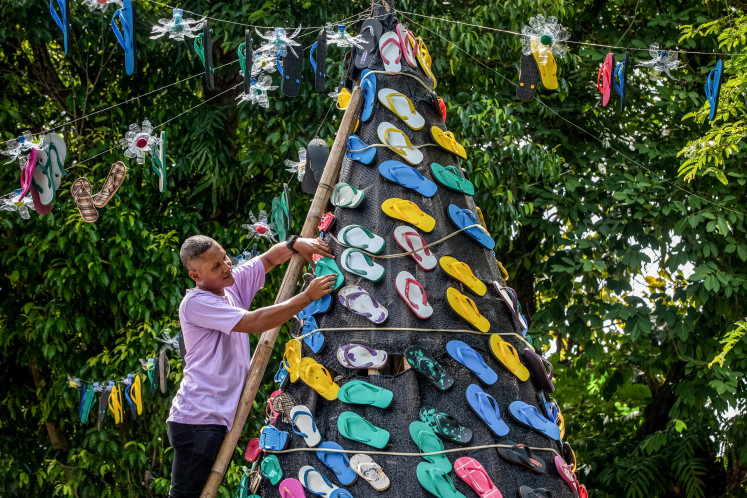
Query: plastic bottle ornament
x,y
544,36
258,91
241,259
138,141
177,27
278,41
298,167
341,38
263,63
19,148
102,5
260,227
662,61
13,202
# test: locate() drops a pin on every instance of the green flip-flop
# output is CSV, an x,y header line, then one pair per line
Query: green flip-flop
x,y
436,481
428,442
277,216
353,426
358,392
327,266
449,177
270,467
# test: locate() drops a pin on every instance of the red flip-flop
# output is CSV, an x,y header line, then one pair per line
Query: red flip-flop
x,y
413,293
410,240
567,474
252,450
605,73
474,474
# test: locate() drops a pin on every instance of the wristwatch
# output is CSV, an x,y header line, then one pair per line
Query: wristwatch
x,y
290,241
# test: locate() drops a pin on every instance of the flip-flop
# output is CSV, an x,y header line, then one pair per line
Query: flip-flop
x,y
115,403
463,273
136,393
359,237
536,366
357,356
246,60
530,417
303,424
423,362
472,360
292,359
464,218
64,22
390,52
448,142
270,438
103,408
620,80
398,142
566,473
126,37
253,451
521,454
569,456
436,481
337,463
282,404
270,468
114,180
529,76
204,48
317,153
272,417
414,294
402,107
549,406
424,58
43,181
321,305
561,425
486,407
81,191
527,492
713,88
370,32
408,211
56,152
467,309
291,71
410,240
360,302
473,473
158,161
290,487
368,89
164,369
508,296
358,392
407,43
365,156
449,177
328,266
508,356
358,263
318,378
347,196
408,177
547,66
370,471
319,64
445,426
315,482
605,74
427,442
356,428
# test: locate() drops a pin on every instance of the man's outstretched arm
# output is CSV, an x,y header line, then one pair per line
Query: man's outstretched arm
x,y
280,253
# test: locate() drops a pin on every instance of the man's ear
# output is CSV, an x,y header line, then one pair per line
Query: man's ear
x,y
195,275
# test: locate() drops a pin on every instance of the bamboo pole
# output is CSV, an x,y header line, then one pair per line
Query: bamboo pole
x,y
287,289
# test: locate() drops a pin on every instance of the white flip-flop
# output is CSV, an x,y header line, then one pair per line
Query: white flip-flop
x,y
410,240
303,424
402,106
390,51
413,293
359,356
398,142
315,482
44,179
357,263
358,237
347,196
370,471
360,302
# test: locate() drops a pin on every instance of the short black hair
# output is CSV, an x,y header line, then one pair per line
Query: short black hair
x,y
193,247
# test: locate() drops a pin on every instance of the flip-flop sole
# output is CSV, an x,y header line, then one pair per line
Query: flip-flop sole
x,y
320,73
292,68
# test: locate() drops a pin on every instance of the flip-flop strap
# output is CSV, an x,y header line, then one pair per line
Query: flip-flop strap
x,y
387,42
366,231
466,350
441,482
118,33
54,13
463,270
412,281
349,421
360,272
482,399
432,436
599,75
311,56
503,345
408,236
396,207
324,373
199,48
525,412
463,301
709,85
398,148
293,423
306,477
400,95
351,297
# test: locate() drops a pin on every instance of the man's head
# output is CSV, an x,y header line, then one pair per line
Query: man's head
x,y
207,263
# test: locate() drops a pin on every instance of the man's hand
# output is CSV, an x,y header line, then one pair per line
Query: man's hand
x,y
320,287
308,247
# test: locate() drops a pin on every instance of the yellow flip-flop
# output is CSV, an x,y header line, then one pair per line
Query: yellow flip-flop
x,y
292,359
446,140
318,378
136,393
424,58
561,424
343,99
463,273
507,354
467,309
115,403
408,211
548,67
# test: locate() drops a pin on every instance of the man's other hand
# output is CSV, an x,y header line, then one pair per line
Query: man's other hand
x,y
308,247
320,287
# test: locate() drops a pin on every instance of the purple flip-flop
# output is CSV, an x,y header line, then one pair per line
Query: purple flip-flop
x,y
360,356
291,488
360,302
536,366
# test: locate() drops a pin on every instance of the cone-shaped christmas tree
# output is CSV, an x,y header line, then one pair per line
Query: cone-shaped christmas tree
x,y
458,371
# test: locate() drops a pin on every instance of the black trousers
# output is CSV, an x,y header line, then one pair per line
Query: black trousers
x,y
195,450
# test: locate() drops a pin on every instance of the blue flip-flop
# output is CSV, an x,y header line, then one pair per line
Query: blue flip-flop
x,y
337,462
271,438
486,407
316,307
471,359
126,36
316,340
530,416
365,156
713,88
368,87
620,79
408,177
464,218
64,23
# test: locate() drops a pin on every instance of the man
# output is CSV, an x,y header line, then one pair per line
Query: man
x,y
215,324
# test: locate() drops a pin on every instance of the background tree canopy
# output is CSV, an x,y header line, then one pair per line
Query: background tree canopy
x,y
631,276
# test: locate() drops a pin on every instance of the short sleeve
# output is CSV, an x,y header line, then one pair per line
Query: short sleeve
x,y
250,277
212,313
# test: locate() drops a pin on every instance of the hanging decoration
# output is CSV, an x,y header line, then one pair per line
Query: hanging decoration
x,y
298,167
544,38
101,5
277,41
14,202
662,61
258,91
177,27
260,228
139,141
341,38
19,148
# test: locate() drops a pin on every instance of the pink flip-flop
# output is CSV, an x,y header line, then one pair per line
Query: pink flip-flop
x,y
252,450
565,472
27,173
291,488
408,45
474,474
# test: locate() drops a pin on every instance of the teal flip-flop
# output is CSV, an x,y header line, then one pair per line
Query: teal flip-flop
x,y
358,392
327,266
353,426
436,481
270,467
449,177
427,442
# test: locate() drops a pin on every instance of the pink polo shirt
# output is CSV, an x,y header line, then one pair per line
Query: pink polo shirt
x,y
217,359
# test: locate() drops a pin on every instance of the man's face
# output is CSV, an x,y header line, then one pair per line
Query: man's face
x,y
212,270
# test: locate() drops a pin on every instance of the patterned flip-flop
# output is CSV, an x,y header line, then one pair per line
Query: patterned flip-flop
x,y
445,425
113,181
423,362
